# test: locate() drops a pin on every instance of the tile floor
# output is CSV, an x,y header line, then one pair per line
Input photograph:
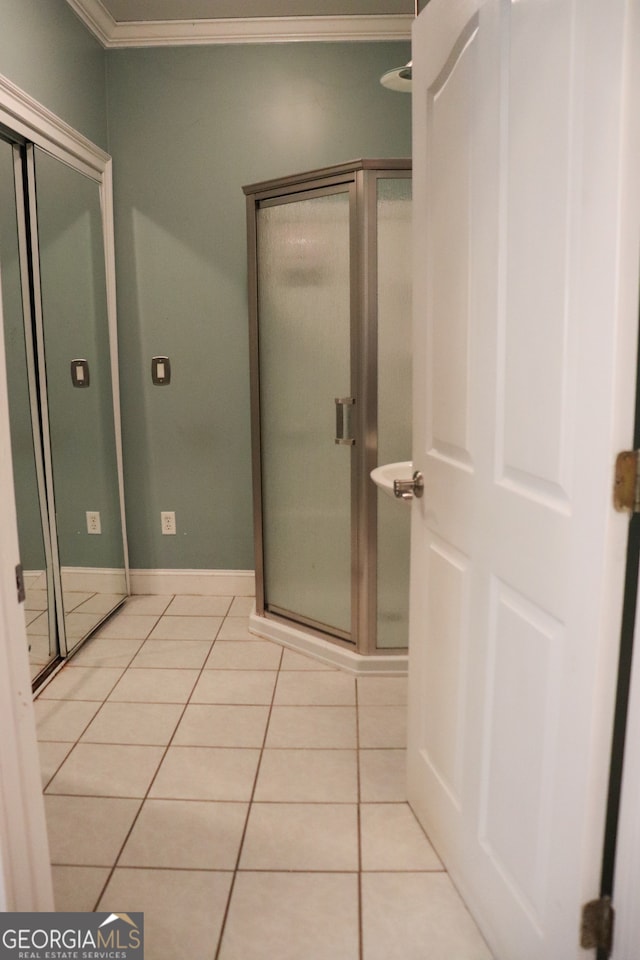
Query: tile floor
x,y
248,799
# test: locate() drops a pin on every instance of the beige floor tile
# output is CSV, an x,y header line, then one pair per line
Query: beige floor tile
x,y
235,686
206,773
31,615
222,725
236,628
382,690
63,719
383,776
105,652
298,661
252,655
78,625
147,724
183,909
307,776
51,757
242,606
129,627
392,839
107,770
98,603
76,889
35,580
146,604
184,606
301,836
186,834
172,654
300,688
39,626
155,686
297,916
186,628
73,600
419,916
82,683
88,830
380,726
36,600
312,727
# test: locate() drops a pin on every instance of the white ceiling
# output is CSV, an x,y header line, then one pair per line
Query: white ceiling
x,y
119,23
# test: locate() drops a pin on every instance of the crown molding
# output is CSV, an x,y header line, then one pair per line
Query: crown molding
x,y
96,17
160,33
25,116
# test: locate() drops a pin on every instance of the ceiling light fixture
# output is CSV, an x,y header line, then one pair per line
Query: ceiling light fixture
x,y
400,78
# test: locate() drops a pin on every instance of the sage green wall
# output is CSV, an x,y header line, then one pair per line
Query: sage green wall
x,y
49,53
188,126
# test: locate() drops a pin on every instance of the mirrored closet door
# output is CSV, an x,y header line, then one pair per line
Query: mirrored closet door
x,y
60,353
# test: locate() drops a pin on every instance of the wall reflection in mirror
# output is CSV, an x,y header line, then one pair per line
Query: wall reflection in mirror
x,y
63,436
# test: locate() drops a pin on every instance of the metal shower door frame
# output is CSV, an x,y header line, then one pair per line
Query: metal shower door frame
x,y
359,179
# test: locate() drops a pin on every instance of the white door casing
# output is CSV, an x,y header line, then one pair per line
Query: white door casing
x,y
25,873
525,313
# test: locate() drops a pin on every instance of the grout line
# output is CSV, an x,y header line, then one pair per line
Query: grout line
x,y
164,748
151,782
249,807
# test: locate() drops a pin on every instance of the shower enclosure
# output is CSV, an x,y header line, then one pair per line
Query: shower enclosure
x,y
330,333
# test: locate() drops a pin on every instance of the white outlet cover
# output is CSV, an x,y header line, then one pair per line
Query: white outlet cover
x,y
168,522
93,521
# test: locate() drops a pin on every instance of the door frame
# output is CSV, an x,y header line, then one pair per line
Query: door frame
x,y
25,872
626,877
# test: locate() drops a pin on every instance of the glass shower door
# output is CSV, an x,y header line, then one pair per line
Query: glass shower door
x,y
304,300
393,289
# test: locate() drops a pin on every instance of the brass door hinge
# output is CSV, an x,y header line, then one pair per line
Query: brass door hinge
x,y
596,928
22,596
626,488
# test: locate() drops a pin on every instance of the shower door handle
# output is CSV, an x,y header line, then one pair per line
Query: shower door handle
x,y
344,425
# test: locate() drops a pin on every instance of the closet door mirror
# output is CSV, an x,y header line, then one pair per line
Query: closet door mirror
x,y
74,327
26,454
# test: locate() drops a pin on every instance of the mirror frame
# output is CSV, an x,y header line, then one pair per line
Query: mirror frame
x,y
25,118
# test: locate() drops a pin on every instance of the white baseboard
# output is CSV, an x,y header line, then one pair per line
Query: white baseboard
x,y
93,579
333,654
204,583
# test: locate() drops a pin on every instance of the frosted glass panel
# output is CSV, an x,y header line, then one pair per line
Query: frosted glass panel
x,y
304,307
394,403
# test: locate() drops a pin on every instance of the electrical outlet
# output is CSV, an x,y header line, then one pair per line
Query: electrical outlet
x,y
168,521
93,521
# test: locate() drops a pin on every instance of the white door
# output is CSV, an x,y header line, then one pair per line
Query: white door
x,y
526,276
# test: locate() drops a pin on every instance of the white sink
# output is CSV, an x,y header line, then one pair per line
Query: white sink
x,y
384,475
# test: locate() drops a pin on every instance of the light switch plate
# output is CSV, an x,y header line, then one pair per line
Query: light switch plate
x,y
161,371
80,373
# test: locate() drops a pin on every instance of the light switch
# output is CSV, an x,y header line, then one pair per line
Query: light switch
x,y
80,373
161,370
